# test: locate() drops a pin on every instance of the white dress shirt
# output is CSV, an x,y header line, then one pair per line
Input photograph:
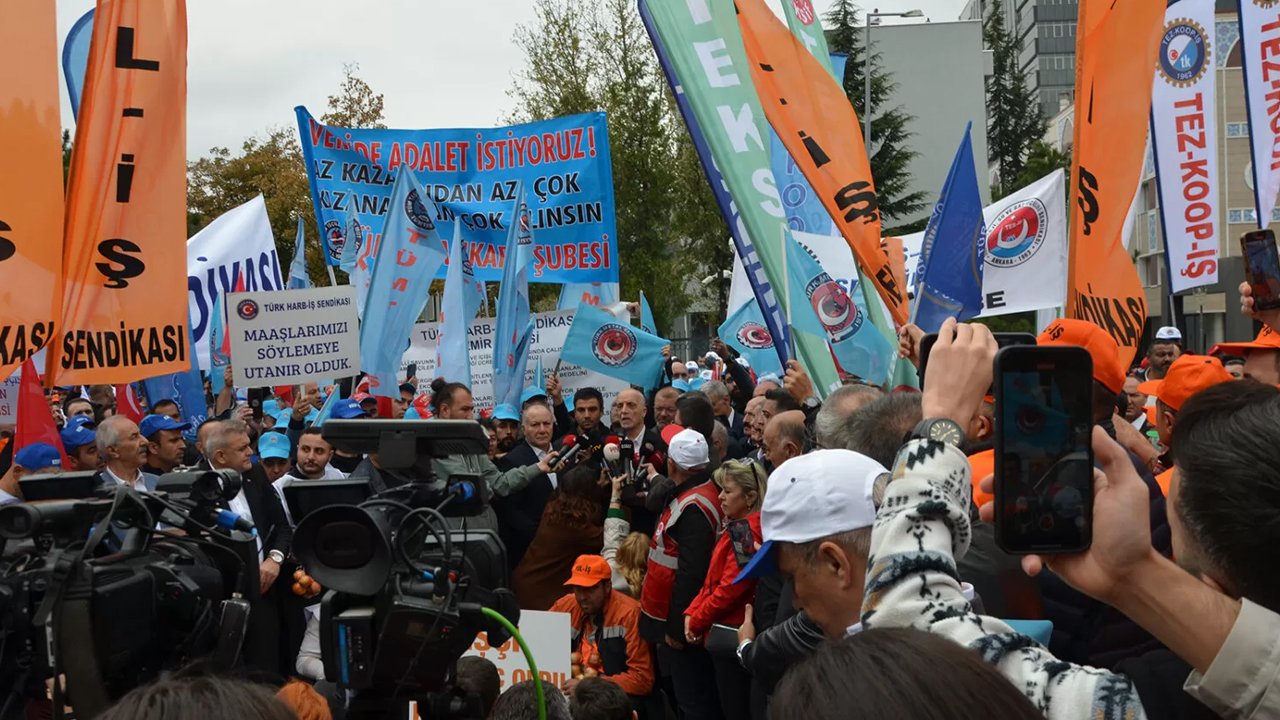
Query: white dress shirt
x,y
139,483
540,453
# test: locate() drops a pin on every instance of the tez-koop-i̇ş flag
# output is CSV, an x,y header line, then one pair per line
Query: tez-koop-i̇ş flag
x,y
410,252
599,342
951,258
1260,56
462,298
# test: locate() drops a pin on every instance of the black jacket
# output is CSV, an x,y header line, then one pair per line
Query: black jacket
x,y
268,513
520,512
775,650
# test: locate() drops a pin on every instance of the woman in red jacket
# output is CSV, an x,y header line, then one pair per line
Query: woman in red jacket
x,y
742,486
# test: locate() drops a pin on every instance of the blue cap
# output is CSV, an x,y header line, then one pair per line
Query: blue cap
x,y
506,411
347,410
680,384
81,421
153,424
412,414
273,445
283,417
271,406
763,564
77,433
38,456
529,394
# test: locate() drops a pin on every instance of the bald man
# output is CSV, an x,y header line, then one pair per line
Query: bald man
x,y
784,437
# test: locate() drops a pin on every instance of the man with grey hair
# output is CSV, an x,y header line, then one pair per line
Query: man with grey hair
x,y
123,451
721,406
784,438
831,424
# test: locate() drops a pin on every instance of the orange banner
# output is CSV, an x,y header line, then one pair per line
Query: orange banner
x,y
816,123
124,309
1117,45
896,251
30,179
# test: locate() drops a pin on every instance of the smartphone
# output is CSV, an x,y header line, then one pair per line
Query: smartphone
x,y
1043,449
255,397
744,541
1003,340
1262,268
411,372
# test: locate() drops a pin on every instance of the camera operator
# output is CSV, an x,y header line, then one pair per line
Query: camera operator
x,y
227,446
453,401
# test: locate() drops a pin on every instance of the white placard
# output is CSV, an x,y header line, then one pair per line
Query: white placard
x,y
286,337
9,398
550,331
548,636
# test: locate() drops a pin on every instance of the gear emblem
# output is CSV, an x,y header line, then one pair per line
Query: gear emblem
x,y
1184,52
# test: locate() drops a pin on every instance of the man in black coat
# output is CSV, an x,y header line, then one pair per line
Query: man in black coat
x,y
520,512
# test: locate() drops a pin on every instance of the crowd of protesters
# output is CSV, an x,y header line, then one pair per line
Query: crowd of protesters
x,y
762,553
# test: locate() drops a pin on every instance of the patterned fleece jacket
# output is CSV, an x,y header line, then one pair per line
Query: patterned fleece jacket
x,y
921,528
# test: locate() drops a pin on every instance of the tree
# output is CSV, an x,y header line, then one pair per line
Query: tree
x,y
1014,122
595,56
272,164
891,155
1042,159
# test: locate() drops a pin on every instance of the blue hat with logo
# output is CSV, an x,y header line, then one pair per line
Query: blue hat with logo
x,y
506,411
38,456
153,424
273,445
530,393
79,431
348,410
271,406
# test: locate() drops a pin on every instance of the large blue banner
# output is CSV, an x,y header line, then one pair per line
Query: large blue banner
x,y
472,174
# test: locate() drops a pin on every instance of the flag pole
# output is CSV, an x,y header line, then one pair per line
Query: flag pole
x,y
333,279
786,296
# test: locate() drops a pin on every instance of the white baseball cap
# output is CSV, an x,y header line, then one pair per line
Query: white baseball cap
x,y
688,449
823,493
1169,332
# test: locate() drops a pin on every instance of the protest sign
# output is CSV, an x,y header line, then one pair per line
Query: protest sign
x,y
236,244
548,636
9,398
287,337
472,175
30,181
550,331
123,317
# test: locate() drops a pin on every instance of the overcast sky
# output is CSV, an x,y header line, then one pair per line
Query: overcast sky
x,y
439,63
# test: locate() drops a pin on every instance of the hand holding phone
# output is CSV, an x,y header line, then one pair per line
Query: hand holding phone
x,y
1043,450
1261,268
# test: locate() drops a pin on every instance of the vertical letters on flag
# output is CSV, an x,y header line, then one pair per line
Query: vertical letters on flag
x,y
1260,56
462,298
123,313
598,294
30,179
1185,143
512,312
819,127
1116,49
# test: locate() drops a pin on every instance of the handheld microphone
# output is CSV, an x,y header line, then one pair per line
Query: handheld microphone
x,y
579,443
612,454
627,448
228,520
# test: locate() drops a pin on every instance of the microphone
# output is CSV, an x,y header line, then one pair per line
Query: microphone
x,y
228,520
579,443
627,448
612,453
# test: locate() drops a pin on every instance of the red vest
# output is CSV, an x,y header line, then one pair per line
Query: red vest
x,y
664,552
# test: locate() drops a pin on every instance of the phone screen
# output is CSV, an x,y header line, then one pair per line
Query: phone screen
x,y
1044,456
1003,340
1262,265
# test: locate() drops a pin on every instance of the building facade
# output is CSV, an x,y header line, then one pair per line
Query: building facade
x,y
1046,32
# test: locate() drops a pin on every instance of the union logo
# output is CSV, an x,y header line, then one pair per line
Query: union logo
x,y
614,345
247,309
838,314
755,336
1184,52
417,212
337,239
804,11
1017,233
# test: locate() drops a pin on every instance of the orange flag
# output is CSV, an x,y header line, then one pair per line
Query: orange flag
x,y
896,251
1117,45
124,301
30,179
816,123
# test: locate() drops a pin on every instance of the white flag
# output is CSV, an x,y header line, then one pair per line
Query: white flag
x,y
1260,52
1184,139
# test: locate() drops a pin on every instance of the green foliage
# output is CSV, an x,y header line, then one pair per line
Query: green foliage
x,y
1015,322
891,154
1042,159
595,56
1014,124
272,164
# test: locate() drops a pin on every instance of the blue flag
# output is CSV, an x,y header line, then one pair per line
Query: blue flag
x,y
462,298
599,294
647,323
521,354
409,254
512,313
184,388
219,345
326,410
599,342
75,59
949,281
746,332
298,277
351,243
538,379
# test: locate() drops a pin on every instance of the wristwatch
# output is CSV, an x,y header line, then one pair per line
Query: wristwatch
x,y
277,556
940,430
811,402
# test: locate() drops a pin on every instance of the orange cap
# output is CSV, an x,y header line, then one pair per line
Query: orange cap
x,y
1107,368
1188,375
1267,339
589,571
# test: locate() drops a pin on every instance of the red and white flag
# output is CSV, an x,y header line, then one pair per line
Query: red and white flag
x,y
1260,55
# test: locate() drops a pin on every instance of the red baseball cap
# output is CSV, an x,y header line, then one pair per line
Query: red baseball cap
x,y
1188,375
670,431
1107,368
589,571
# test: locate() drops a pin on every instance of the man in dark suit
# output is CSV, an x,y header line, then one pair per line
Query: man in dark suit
x,y
520,512
267,646
630,408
